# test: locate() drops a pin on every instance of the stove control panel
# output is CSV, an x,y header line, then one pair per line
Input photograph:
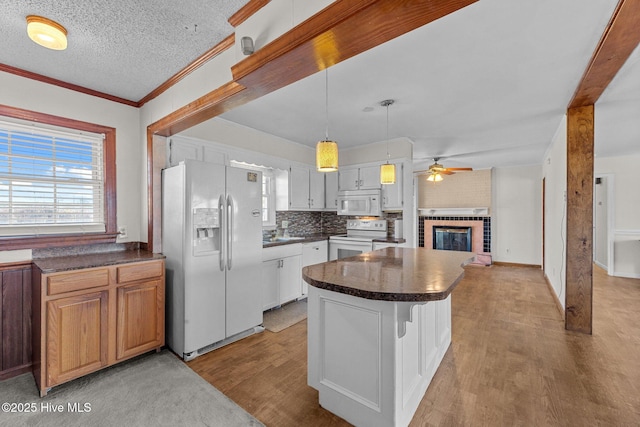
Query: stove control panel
x,y
367,224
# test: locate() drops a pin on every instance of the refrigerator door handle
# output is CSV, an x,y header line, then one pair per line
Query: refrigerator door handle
x,y
221,210
230,215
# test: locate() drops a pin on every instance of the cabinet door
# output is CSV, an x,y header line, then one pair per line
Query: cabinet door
x,y
270,284
76,336
369,177
392,193
290,286
313,253
331,190
348,179
298,188
183,150
316,189
140,319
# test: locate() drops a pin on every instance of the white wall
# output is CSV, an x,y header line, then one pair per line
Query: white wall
x,y
626,222
517,215
554,170
45,98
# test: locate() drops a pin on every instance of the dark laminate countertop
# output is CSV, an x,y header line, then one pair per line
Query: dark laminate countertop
x,y
392,274
397,240
305,239
76,262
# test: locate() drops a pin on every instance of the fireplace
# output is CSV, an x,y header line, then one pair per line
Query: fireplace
x,y
452,238
480,230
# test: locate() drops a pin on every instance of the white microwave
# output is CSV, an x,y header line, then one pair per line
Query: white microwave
x,y
359,203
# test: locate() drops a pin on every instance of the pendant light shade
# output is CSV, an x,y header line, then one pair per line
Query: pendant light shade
x,y
327,150
387,173
327,156
387,170
46,32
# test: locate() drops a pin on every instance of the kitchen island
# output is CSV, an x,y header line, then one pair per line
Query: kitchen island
x,y
379,325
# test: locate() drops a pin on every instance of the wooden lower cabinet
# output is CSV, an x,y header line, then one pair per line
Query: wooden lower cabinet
x,y
87,319
140,320
76,336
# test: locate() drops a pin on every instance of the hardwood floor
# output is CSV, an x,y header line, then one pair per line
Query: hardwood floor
x,y
510,362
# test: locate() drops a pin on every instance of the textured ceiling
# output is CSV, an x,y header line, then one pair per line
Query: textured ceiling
x,y
124,48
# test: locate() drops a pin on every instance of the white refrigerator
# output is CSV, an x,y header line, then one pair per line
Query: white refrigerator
x,y
212,240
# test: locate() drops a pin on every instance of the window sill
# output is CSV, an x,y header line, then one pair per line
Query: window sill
x,y
55,240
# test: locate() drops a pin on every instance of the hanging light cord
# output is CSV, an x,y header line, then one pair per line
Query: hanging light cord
x,y
326,86
388,157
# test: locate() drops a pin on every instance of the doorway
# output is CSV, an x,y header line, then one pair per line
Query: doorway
x,y
603,217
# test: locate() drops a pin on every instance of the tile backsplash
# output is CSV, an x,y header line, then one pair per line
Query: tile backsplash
x,y
305,223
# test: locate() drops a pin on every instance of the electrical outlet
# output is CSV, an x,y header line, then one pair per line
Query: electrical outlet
x,y
122,232
285,224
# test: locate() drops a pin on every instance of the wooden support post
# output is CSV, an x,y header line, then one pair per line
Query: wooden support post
x,y
579,276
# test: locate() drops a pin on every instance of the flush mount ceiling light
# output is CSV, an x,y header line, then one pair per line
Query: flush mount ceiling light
x,y
46,32
327,150
387,170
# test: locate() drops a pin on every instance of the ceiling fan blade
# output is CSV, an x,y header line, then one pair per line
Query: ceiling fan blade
x,y
446,172
459,169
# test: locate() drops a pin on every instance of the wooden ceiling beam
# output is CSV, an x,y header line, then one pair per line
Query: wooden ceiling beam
x,y
340,31
618,41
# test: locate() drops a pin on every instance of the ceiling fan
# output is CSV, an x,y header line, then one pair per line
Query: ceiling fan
x,y
436,170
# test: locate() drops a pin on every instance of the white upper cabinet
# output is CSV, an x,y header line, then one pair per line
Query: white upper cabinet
x,y
180,150
369,177
306,189
348,179
298,188
331,190
316,189
359,178
392,193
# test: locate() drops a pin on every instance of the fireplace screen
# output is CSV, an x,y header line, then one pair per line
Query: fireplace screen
x,y
451,238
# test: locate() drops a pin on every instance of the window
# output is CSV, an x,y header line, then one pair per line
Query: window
x,y
56,178
268,199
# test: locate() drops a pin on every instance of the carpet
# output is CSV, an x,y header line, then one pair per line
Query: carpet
x,y
151,390
288,315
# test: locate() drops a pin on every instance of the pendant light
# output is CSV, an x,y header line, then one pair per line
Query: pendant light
x,y
327,150
387,170
46,32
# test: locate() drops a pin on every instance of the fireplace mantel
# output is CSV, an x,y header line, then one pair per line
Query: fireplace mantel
x,y
454,211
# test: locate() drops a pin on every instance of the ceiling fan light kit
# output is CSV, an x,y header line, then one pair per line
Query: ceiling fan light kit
x,y
327,150
46,32
434,177
436,170
387,170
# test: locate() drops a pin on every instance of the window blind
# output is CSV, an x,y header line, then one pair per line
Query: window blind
x,y
51,180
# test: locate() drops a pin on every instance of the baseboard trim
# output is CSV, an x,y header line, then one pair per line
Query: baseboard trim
x,y
515,264
555,296
15,371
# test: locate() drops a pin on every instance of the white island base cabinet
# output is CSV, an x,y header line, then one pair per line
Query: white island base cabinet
x,y
372,361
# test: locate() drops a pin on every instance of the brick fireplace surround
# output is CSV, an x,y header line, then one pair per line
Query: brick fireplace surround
x,y
480,231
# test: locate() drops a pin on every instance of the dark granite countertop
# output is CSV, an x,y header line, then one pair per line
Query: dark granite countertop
x,y
392,274
76,262
298,239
